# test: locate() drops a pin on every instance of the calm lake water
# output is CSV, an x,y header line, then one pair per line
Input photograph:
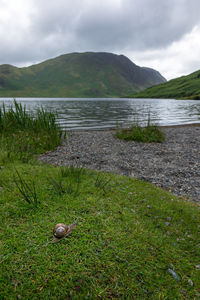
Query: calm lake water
x,y
108,113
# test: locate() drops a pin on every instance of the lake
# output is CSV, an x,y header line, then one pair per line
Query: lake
x,y
79,113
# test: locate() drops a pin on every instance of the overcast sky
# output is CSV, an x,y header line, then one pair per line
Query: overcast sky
x,y
162,34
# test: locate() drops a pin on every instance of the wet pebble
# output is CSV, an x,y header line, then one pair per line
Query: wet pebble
x,y
174,274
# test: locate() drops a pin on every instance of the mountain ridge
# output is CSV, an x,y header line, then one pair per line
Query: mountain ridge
x,y
88,74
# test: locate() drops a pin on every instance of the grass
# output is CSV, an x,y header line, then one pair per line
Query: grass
x,y
24,134
185,87
132,240
26,190
148,134
124,245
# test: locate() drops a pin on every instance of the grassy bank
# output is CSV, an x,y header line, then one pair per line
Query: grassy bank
x,y
132,240
185,87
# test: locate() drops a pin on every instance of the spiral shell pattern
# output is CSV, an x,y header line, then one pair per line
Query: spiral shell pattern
x,y
60,230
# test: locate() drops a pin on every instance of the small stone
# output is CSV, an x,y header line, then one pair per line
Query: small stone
x,y
184,291
174,274
174,244
190,282
197,267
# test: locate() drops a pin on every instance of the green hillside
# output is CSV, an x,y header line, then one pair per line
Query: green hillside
x,y
185,87
77,75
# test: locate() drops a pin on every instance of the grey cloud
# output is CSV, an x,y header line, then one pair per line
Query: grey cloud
x,y
55,16
139,24
62,26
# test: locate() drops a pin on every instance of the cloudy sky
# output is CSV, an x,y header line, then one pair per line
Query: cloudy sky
x,y
162,34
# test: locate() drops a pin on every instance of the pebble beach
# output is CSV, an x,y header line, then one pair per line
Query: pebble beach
x,y
173,165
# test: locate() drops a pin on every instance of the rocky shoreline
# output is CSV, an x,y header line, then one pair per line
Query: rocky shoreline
x,y
173,165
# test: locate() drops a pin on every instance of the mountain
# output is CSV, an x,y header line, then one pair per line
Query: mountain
x,y
185,87
87,74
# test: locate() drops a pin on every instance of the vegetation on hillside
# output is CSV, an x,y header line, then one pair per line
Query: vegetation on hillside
x,y
77,75
132,240
185,87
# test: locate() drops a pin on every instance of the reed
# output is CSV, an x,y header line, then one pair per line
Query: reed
x,y
72,172
101,183
147,134
27,190
18,118
23,133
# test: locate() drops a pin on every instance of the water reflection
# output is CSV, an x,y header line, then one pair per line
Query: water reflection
x,y
107,113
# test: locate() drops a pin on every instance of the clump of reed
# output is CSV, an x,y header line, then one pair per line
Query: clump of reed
x,y
26,190
147,134
23,133
68,181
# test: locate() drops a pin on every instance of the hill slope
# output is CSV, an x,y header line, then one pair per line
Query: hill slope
x,y
182,87
77,75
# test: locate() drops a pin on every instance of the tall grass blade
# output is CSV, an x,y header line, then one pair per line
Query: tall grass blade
x,y
27,191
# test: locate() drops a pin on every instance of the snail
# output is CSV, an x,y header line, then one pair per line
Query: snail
x,y
61,230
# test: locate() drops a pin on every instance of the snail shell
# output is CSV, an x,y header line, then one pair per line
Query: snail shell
x,y
60,230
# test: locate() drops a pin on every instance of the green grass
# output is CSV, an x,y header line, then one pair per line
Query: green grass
x,y
24,134
147,134
123,246
185,87
129,236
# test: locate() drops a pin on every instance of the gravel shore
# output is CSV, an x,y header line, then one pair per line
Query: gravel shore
x,y
173,165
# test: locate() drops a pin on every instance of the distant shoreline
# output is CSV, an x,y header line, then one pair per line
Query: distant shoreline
x,y
114,128
181,125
